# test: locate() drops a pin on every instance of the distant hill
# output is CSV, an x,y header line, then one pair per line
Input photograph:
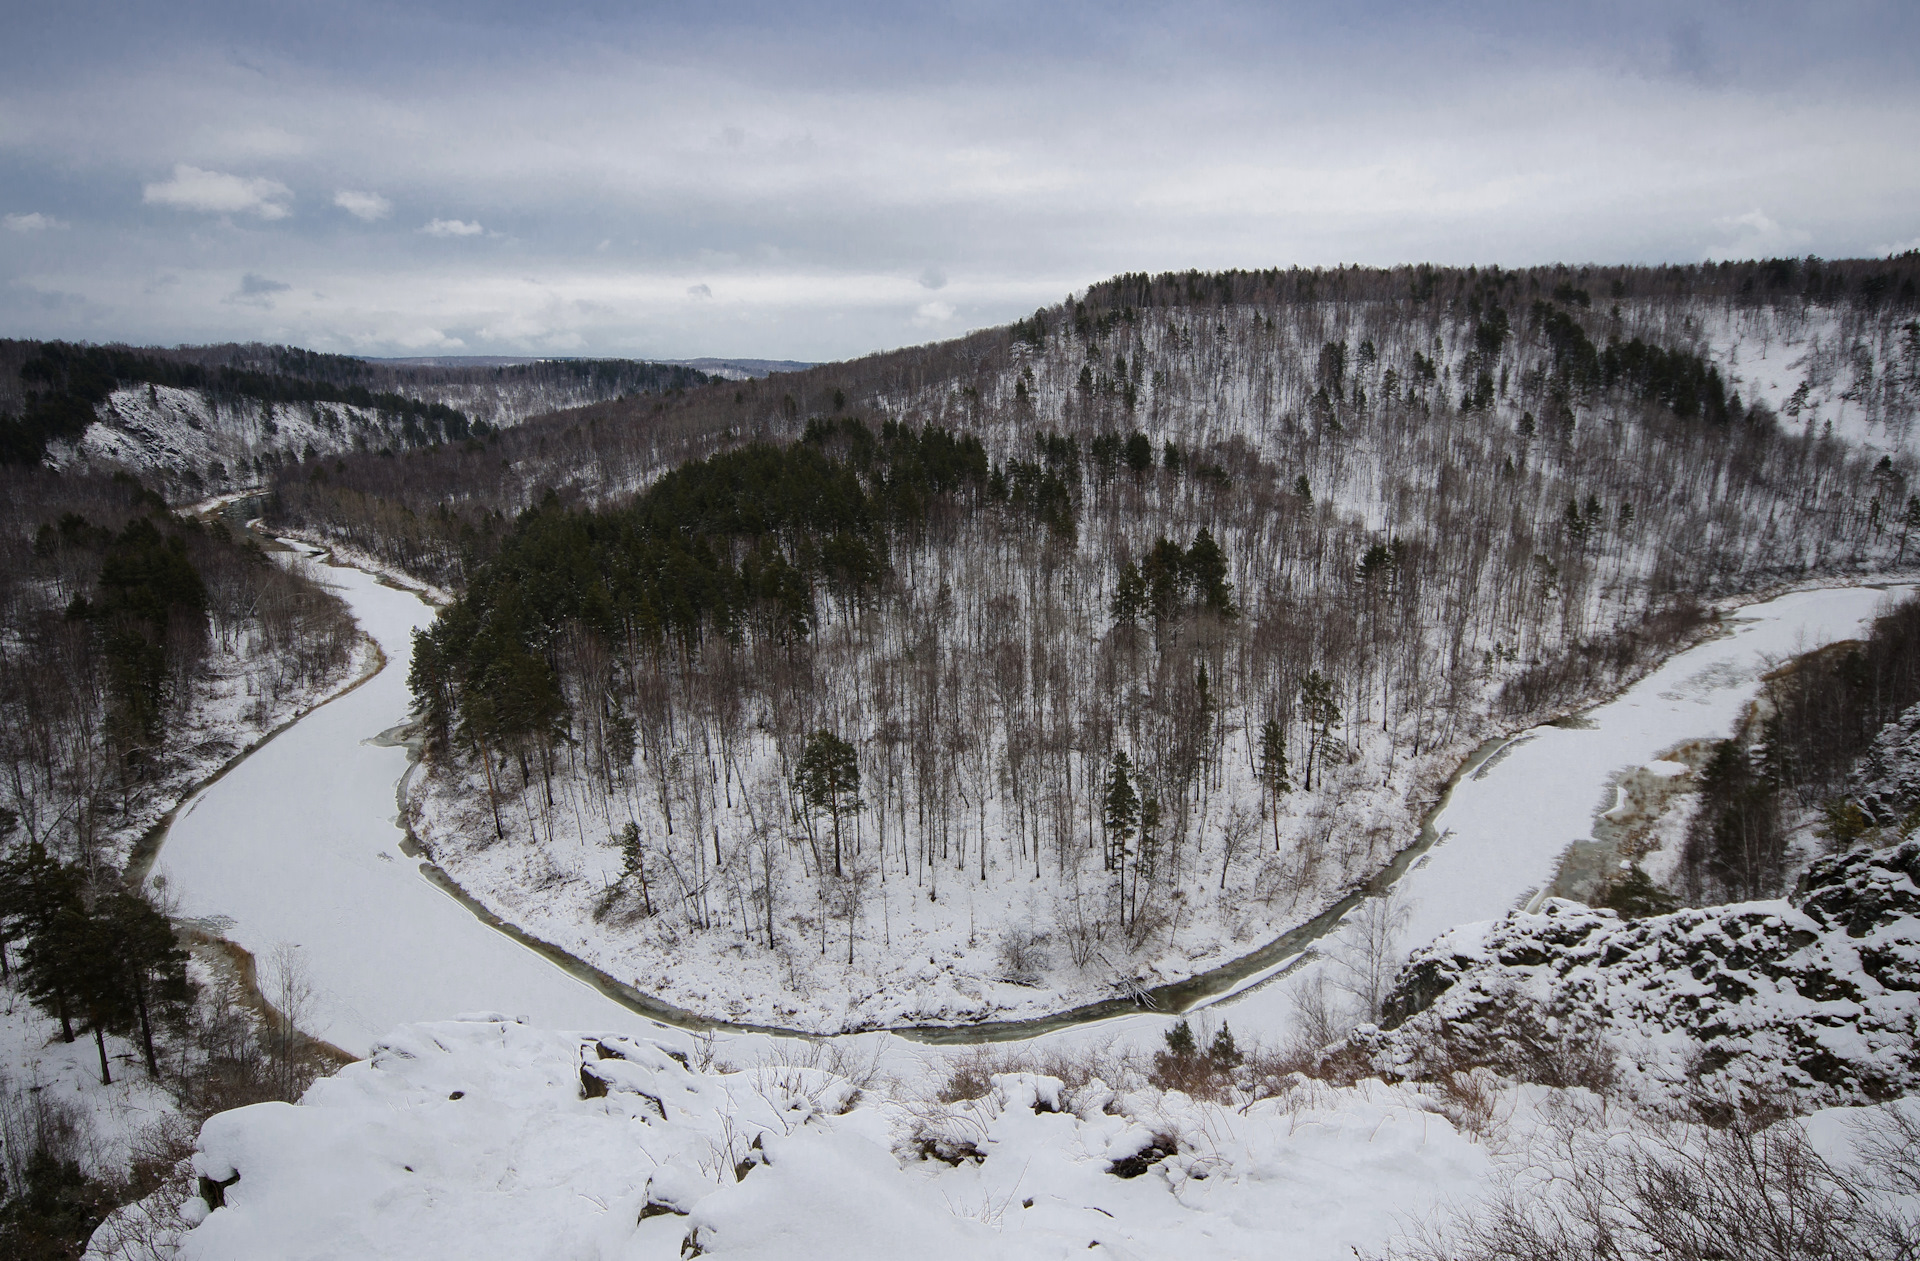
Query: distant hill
x,y
199,418
726,369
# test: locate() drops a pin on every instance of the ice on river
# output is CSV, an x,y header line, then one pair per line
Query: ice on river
x,y
1505,827
298,845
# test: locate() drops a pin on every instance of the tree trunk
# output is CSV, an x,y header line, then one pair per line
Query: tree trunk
x,y
146,1029
100,1041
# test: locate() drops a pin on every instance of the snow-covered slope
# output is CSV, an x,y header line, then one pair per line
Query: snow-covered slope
x,y
1851,371
488,1138
188,435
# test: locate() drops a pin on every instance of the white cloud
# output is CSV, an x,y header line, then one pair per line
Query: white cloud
x,y
216,192
452,227
366,207
931,313
699,291
426,338
1898,247
35,222
1756,235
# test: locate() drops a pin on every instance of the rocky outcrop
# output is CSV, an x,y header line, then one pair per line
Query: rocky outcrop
x,y
1817,996
1886,783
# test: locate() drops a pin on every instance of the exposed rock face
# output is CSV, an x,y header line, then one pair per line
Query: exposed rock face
x,y
1818,996
1886,783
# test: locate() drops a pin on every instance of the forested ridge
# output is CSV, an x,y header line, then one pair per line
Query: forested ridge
x,y
206,419
1241,565
63,385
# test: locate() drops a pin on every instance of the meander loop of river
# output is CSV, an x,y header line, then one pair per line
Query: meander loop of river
x,y
298,846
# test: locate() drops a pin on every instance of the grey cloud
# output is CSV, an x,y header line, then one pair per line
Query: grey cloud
x,y
808,160
257,290
33,221
216,192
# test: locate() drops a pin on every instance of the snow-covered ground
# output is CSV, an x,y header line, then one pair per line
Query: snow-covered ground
x,y
487,1138
39,1071
472,1140
1846,371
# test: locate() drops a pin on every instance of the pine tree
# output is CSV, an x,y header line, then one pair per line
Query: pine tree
x,y
1122,813
1129,596
52,917
828,780
1206,566
1320,712
1224,1054
1273,772
633,863
152,964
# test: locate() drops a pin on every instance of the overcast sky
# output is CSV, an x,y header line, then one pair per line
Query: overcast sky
x,y
817,181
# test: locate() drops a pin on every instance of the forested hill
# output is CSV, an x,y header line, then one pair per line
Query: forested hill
x,y
203,419
1812,343
1226,557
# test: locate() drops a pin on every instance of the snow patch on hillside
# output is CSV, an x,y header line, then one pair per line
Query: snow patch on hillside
x,y
213,442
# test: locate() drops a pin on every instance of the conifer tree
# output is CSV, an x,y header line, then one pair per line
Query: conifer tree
x,y
1122,812
152,964
828,780
1273,772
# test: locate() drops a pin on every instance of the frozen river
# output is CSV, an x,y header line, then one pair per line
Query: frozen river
x,y
298,846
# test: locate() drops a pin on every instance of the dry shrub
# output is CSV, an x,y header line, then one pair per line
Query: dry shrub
x,y
1196,1076
970,1074
1692,1193
1468,1100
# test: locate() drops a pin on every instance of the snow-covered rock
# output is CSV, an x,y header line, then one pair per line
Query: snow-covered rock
x,y
1886,783
1817,996
490,1138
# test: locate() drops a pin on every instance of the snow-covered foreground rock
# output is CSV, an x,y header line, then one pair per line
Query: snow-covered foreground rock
x,y
486,1138
489,1138
1817,998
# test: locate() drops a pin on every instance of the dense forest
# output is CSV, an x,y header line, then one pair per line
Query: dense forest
x,y
1154,614
1796,754
140,646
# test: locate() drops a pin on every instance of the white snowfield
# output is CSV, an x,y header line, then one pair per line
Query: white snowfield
x,y
473,1140
485,1138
